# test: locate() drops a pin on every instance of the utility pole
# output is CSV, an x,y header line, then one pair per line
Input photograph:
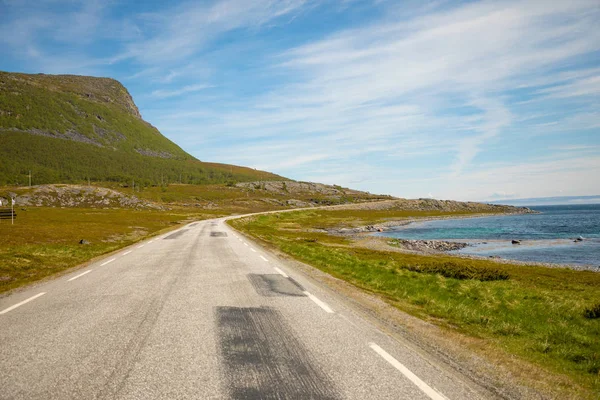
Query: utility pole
x,y
12,211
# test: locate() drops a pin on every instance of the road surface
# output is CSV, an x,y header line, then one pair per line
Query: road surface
x,y
202,313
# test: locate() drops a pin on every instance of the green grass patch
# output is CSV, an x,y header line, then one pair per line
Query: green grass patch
x,y
543,315
460,270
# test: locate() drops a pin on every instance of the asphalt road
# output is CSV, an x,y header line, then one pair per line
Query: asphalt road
x,y
202,313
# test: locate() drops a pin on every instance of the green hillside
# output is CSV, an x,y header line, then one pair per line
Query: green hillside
x,y
67,128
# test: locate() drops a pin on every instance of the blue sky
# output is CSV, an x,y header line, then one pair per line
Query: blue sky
x,y
458,100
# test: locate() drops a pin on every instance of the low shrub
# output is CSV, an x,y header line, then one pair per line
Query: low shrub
x,y
454,270
592,312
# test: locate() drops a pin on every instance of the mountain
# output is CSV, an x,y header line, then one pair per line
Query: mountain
x,y
68,128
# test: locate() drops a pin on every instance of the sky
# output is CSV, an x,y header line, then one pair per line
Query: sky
x,y
465,100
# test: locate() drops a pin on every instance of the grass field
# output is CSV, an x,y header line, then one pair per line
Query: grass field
x,y
548,317
45,241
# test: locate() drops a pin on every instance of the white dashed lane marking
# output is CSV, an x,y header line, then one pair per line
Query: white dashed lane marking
x,y
107,262
324,306
21,303
281,272
425,388
80,275
264,258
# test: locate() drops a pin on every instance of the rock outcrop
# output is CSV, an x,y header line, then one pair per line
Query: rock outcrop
x,y
427,245
81,196
318,193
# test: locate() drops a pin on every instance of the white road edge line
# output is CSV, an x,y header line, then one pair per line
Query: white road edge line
x,y
140,246
281,272
107,262
425,388
21,303
252,249
245,244
79,276
127,252
264,258
324,306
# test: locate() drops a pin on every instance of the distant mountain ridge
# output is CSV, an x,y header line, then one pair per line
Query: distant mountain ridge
x,y
69,128
556,200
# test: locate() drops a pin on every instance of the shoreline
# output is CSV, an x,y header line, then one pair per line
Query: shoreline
x,y
387,225
383,244
364,233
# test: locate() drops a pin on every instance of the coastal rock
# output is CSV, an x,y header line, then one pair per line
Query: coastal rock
x,y
427,245
352,231
516,241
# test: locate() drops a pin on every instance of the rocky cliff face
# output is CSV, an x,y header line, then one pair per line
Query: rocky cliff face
x,y
99,90
97,111
79,196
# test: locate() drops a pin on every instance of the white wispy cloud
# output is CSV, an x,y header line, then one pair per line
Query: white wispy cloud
x,y
463,53
588,86
183,31
570,176
367,91
178,92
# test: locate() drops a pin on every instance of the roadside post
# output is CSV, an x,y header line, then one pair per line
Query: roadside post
x,y
12,211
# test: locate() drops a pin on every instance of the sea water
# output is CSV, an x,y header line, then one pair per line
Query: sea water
x,y
545,237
